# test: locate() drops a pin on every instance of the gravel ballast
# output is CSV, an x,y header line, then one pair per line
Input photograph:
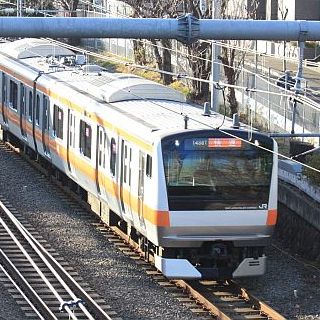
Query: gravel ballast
x,y
289,286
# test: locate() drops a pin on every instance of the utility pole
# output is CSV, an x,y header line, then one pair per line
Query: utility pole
x,y
215,62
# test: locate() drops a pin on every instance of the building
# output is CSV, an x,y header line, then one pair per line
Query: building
x,y
293,9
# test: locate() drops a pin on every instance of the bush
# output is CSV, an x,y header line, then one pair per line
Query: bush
x,y
313,176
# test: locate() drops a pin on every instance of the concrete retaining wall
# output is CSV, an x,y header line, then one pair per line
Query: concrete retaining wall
x,y
300,203
297,234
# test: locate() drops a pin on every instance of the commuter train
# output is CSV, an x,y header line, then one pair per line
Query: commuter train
x,y
196,191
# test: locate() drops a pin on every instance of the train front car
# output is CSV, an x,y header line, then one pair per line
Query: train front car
x,y
222,201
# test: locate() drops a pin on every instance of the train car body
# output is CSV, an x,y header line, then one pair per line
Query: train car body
x,y
203,199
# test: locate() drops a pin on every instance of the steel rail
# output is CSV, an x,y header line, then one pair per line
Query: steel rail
x,y
39,249
84,293
40,273
274,315
28,286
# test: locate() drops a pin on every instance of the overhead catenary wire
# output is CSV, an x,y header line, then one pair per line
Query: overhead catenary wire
x,y
221,130
164,72
177,75
212,127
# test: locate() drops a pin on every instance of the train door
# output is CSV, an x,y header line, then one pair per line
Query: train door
x,y
45,125
101,159
71,138
125,176
23,124
141,185
4,110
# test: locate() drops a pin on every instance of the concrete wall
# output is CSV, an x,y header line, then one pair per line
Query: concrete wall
x,y
297,201
298,235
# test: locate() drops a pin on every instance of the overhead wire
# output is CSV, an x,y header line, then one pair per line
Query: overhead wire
x,y
179,75
217,84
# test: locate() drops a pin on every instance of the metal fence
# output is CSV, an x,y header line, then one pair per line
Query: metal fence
x,y
272,106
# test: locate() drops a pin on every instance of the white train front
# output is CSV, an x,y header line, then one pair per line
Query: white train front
x,y
201,200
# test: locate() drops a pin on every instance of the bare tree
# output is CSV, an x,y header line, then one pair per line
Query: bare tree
x,y
199,56
69,5
232,58
161,48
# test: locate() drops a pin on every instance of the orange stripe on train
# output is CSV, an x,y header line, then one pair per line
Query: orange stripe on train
x,y
272,217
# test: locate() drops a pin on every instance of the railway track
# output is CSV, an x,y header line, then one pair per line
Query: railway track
x,y
210,300
221,300
43,286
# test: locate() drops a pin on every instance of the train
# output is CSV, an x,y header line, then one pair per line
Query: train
x,y
196,190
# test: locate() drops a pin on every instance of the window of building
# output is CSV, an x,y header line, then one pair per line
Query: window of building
x,y
113,156
13,95
85,138
58,122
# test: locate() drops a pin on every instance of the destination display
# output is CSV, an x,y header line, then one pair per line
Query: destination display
x,y
211,143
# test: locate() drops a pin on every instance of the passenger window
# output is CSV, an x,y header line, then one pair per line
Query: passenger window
x,y
4,88
30,105
45,115
58,122
85,139
125,164
113,155
149,166
13,95
22,99
38,110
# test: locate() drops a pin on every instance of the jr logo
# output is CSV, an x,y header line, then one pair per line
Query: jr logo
x,y
263,206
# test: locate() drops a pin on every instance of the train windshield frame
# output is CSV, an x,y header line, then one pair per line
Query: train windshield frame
x,y
213,171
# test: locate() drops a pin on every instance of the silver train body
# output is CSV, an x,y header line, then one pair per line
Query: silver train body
x,y
202,200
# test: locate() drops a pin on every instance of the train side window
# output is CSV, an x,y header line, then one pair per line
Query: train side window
x,y
113,156
30,106
13,95
58,122
149,166
37,115
130,159
102,148
45,116
71,130
85,138
4,88
22,99
125,164
3,96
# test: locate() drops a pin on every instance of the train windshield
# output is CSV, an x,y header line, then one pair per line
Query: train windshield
x,y
216,173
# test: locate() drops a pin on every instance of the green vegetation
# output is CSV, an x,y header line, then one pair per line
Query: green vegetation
x,y
148,74
313,176
180,86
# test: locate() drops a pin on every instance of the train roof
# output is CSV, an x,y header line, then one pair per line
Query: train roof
x,y
144,103
31,47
